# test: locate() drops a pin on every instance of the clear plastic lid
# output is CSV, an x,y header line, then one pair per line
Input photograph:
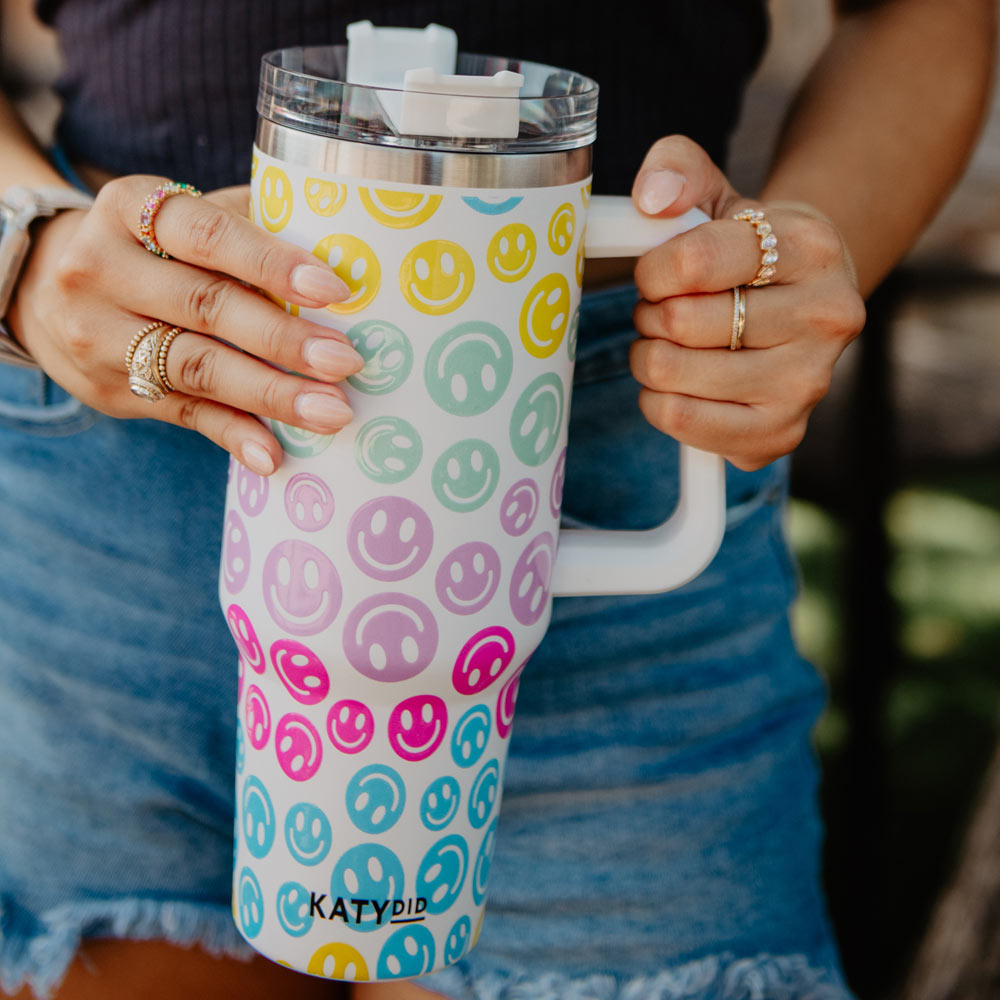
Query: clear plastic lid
x,y
304,89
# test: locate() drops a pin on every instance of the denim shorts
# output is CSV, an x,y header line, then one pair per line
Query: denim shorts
x,y
659,836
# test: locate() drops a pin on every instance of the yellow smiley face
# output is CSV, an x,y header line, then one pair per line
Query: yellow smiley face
x,y
436,277
544,316
275,199
338,961
580,257
561,228
355,263
511,252
399,209
325,197
253,166
585,195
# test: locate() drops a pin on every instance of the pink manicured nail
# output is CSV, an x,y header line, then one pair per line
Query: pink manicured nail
x,y
660,190
319,408
256,458
318,283
332,357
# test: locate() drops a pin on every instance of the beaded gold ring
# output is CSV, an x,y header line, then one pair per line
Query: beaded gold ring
x,y
768,245
161,357
152,205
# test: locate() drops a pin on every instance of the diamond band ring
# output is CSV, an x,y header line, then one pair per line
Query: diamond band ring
x,y
768,245
152,205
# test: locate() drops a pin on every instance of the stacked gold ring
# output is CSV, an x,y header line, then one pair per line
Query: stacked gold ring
x,y
768,245
739,318
146,361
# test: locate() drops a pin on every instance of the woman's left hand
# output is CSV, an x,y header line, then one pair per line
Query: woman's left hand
x,y
750,405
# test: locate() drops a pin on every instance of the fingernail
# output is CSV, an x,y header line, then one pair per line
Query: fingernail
x,y
257,458
319,408
660,190
332,357
318,283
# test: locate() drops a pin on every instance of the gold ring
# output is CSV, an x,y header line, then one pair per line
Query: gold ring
x,y
768,245
739,318
145,358
152,205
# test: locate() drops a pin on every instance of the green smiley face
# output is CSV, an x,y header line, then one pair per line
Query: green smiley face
x,y
537,419
466,475
468,368
388,356
298,442
388,449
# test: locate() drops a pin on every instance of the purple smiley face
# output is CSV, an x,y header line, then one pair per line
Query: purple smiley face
x,y
506,702
308,502
246,638
258,716
483,659
350,725
297,743
529,583
468,578
301,671
558,481
251,490
235,553
417,726
390,538
519,507
390,637
301,587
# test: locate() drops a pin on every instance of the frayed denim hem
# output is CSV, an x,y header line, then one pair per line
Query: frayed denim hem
x,y
37,951
718,977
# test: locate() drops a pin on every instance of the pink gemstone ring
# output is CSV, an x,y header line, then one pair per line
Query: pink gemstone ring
x,y
152,205
768,245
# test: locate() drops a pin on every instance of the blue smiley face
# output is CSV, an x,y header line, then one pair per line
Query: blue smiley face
x,y
249,903
257,818
408,952
468,741
368,871
376,796
484,859
295,909
442,873
439,805
484,793
241,752
308,833
457,942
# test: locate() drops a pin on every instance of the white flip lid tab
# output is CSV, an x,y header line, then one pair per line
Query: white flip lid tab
x,y
380,57
472,107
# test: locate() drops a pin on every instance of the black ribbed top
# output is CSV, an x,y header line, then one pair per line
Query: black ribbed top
x,y
166,87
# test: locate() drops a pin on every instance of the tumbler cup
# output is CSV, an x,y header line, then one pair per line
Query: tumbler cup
x,y
387,585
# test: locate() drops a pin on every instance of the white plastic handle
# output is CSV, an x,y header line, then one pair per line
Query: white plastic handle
x,y
668,556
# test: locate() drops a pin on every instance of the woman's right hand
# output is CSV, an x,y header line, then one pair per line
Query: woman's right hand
x,y
90,285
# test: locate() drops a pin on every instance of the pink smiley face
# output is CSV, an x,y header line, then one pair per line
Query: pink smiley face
x,y
417,726
558,481
529,583
483,659
390,637
308,502
246,638
468,578
298,746
350,726
390,538
235,553
301,587
519,507
301,671
258,716
251,490
506,702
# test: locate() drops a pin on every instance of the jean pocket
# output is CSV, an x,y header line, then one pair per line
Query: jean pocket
x,y
32,403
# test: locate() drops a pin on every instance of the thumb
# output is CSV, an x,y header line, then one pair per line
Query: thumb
x,y
677,174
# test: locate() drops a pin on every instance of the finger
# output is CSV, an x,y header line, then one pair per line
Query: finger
x,y
212,303
720,254
210,235
204,367
749,437
771,318
677,174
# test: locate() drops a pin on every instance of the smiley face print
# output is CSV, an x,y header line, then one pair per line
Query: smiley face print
x,y
323,197
275,199
436,277
511,252
399,209
544,316
562,225
355,263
